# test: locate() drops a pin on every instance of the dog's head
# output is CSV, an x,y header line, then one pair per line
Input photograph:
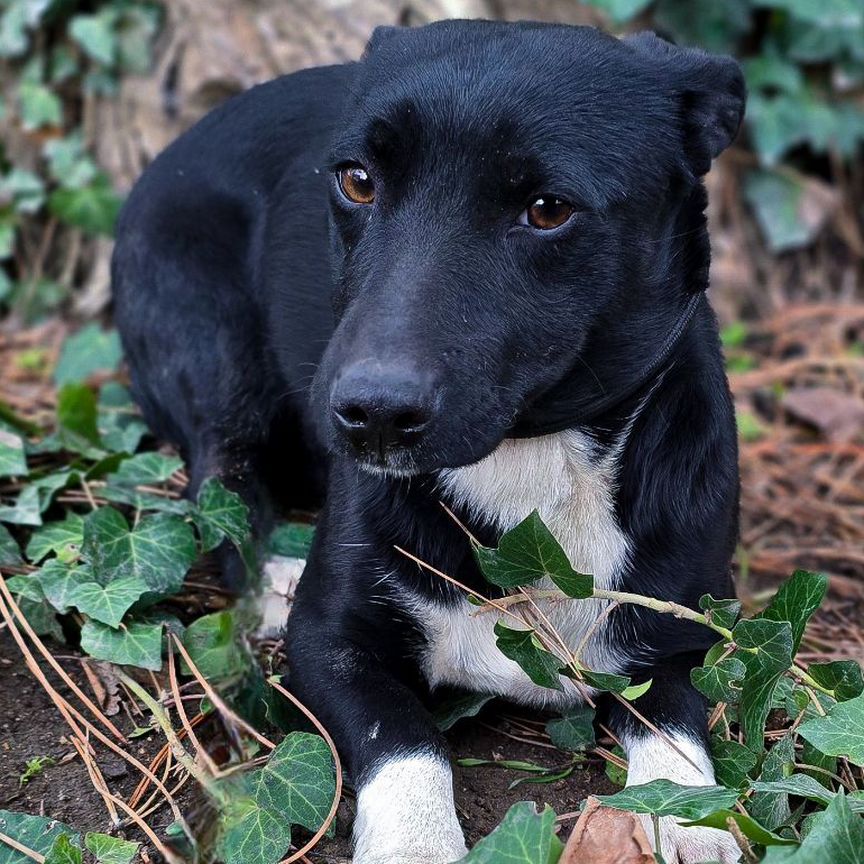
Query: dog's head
x,y
506,200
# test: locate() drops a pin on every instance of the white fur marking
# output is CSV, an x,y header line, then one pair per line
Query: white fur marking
x,y
651,757
406,814
572,486
279,579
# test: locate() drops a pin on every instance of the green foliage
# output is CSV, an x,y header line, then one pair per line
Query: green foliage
x,y
804,66
665,798
110,850
295,787
523,837
34,832
574,731
215,645
524,648
90,350
56,57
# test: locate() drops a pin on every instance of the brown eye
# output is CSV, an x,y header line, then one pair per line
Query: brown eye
x,y
548,212
356,184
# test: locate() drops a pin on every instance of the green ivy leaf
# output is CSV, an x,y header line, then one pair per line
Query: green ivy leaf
x,y
24,188
221,514
10,553
145,469
805,786
64,851
291,540
13,462
796,600
723,613
574,731
93,208
35,832
39,106
843,677
733,763
295,787
620,11
771,809
720,682
55,537
523,647
95,34
35,498
841,732
828,13
110,850
461,706
134,644
604,680
530,552
836,836
76,412
159,550
120,425
86,352
665,798
523,837
59,581
68,162
214,644
772,643
108,603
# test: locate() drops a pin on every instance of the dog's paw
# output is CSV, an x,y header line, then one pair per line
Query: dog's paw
x,y
682,845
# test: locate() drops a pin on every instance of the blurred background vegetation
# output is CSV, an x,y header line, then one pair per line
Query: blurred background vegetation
x,y
92,91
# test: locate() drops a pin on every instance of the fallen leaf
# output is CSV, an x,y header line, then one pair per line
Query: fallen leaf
x,y
603,835
839,416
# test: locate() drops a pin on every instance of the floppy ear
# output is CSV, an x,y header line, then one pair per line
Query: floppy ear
x,y
380,35
711,92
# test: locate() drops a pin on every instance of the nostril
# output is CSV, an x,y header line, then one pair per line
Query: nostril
x,y
410,421
353,415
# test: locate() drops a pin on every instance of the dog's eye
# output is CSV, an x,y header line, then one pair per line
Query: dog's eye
x,y
356,184
547,212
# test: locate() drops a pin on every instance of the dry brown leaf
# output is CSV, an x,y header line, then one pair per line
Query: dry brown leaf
x,y
603,835
839,416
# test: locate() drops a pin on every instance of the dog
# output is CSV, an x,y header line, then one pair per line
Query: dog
x,y
468,269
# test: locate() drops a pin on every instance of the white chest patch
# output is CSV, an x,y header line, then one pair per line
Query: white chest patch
x,y
572,485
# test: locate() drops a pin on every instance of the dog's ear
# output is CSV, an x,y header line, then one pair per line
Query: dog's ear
x,y
711,93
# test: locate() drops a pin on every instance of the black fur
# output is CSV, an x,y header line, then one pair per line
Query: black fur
x,y
246,284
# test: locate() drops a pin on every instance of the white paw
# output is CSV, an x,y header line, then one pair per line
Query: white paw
x,y
279,579
681,845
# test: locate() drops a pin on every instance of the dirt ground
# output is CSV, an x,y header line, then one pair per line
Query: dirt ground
x,y
32,728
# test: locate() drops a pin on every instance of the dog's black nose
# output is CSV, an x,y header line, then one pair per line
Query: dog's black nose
x,y
379,408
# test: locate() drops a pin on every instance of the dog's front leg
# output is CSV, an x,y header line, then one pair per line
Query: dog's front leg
x,y
393,752
677,751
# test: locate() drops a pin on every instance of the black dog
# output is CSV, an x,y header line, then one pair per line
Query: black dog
x,y
482,252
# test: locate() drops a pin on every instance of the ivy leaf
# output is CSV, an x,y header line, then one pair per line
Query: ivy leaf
x,y
291,540
733,763
146,469
841,732
35,498
13,462
108,603
221,514
723,613
59,581
771,809
35,832
214,644
461,706
805,786
110,850
159,550
720,682
796,600
523,837
76,412
133,644
10,554
64,851
39,106
604,680
525,649
665,798
574,731
95,34
120,425
620,11
843,677
530,552
88,351
836,836
55,537
92,208
772,642
295,787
